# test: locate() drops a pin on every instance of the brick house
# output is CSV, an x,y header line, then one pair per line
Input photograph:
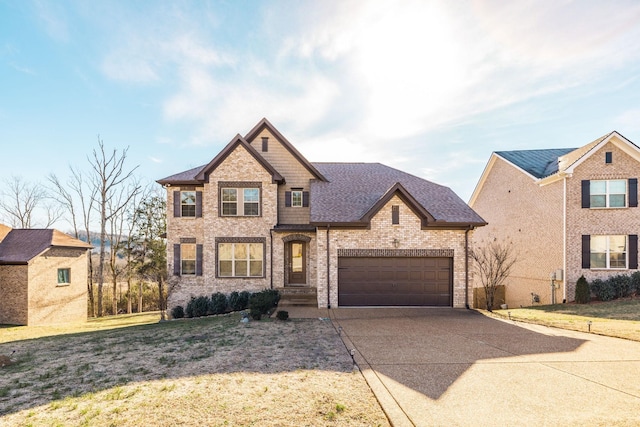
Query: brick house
x,y
568,212
259,215
43,277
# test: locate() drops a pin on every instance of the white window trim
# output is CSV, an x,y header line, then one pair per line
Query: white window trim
x,y
183,259
68,282
607,194
233,260
294,204
239,201
608,252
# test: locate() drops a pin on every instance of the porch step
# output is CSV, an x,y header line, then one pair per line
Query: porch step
x,y
302,296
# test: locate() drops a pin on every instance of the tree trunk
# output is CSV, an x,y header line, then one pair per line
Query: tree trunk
x,y
161,300
140,296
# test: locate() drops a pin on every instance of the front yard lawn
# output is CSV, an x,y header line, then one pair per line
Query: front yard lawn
x,y
210,371
620,318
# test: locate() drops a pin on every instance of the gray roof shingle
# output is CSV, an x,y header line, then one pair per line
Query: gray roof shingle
x,y
354,188
21,245
539,163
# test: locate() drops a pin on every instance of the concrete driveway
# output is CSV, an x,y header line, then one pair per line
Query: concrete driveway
x,y
440,366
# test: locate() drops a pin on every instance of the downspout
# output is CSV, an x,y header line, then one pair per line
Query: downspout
x,y
271,260
466,267
328,271
564,241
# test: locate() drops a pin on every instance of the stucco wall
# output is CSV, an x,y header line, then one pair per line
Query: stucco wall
x,y
14,294
581,221
381,235
50,302
530,219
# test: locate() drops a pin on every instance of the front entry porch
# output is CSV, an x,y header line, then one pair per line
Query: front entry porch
x,y
298,296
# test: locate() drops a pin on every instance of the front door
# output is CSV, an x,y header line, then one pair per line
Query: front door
x,y
297,263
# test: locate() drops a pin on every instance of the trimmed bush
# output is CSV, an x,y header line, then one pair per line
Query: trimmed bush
x,y
243,299
583,294
255,314
603,290
621,285
282,315
263,302
198,307
635,283
218,303
177,312
239,301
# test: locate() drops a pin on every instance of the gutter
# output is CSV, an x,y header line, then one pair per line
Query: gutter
x,y
271,260
328,271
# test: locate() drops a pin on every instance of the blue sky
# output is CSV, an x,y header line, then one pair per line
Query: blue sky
x,y
429,87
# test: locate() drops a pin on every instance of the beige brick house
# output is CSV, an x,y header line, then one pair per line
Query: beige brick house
x,y
567,212
43,277
259,215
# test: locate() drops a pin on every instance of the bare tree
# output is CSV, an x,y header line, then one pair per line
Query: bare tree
x,y
110,174
493,263
22,201
77,196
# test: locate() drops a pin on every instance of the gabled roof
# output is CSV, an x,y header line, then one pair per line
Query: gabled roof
x,y
4,230
22,245
548,165
265,124
200,174
356,191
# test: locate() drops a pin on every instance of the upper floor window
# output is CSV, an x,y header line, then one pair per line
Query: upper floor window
x,y
64,276
240,201
395,214
609,252
188,203
608,194
296,198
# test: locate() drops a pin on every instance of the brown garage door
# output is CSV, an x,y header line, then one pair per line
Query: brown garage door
x,y
394,281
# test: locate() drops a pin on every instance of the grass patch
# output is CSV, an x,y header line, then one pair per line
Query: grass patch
x,y
619,318
187,372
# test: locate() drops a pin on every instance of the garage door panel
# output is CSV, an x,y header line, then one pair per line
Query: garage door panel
x,y
388,281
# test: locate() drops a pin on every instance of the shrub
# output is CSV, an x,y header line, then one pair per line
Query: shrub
x,y
621,285
635,283
239,301
218,303
243,299
602,290
198,307
583,294
264,301
282,315
255,314
177,312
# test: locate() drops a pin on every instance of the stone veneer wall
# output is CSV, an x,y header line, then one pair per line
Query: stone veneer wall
x,y
50,302
279,258
239,166
530,217
597,221
14,294
380,236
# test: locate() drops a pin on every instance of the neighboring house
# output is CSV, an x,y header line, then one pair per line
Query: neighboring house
x,y
568,212
259,215
43,277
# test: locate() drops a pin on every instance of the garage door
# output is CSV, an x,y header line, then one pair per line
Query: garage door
x,y
399,281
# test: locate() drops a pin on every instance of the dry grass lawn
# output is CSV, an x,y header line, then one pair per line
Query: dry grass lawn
x,y
210,371
619,318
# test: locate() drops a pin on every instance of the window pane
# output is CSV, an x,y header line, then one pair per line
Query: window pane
x,y
224,251
618,187
240,251
618,243
251,195
241,268
251,209
63,275
188,266
599,244
188,210
229,209
618,260
256,268
598,187
617,201
188,197
598,260
188,251
296,198
255,251
229,195
598,201
225,269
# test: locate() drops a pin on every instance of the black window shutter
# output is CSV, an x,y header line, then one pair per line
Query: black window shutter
x,y
176,204
395,214
198,204
176,259
287,199
586,193
633,251
633,192
305,199
198,260
586,251
608,158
